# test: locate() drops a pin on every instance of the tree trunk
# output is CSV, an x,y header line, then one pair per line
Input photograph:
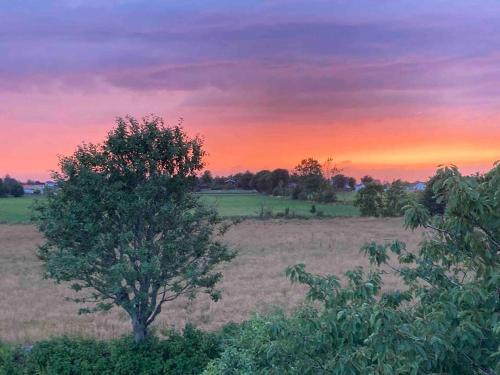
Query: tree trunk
x,y
140,329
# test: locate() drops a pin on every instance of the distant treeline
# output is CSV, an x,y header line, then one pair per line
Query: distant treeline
x,y
10,186
308,180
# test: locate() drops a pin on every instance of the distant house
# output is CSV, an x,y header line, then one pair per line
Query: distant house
x,y
34,188
358,187
230,182
417,186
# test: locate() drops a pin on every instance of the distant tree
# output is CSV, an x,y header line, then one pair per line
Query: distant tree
x,y
244,180
351,181
12,186
370,199
326,194
125,227
17,190
280,178
263,182
395,198
430,196
339,182
366,180
309,175
309,167
330,169
3,189
206,178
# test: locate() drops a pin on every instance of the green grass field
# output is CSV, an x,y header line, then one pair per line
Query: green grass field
x,y
17,210
251,205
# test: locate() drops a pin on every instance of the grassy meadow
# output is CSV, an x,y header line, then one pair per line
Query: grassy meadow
x,y
253,205
33,308
17,210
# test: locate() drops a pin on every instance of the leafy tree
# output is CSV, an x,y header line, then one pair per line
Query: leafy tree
x,y
17,190
351,181
206,178
309,175
263,182
309,167
429,198
340,181
280,177
3,189
12,186
445,320
370,199
124,226
395,198
330,169
244,180
366,180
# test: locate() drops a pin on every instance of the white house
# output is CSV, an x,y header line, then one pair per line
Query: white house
x,y
358,187
417,186
33,188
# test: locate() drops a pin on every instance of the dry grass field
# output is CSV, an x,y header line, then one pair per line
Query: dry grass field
x,y
32,308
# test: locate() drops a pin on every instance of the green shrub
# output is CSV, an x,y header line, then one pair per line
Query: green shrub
x,y
395,198
375,200
8,356
430,198
326,195
186,353
67,356
370,199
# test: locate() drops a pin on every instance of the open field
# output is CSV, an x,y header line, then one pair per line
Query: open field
x,y
32,308
17,210
251,205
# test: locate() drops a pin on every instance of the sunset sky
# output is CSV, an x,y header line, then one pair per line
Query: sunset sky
x,y
387,88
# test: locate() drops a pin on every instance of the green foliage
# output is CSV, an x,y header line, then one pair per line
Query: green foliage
x,y
17,190
395,198
309,175
326,194
375,200
445,320
262,181
3,189
370,199
244,180
206,177
178,354
124,227
429,198
280,178
8,357
10,186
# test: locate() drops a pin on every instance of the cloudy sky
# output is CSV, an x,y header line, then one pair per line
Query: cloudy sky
x,y
389,88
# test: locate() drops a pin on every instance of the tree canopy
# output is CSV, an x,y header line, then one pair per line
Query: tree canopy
x,y
123,226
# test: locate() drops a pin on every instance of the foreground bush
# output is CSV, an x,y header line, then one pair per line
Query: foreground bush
x,y
188,353
445,320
